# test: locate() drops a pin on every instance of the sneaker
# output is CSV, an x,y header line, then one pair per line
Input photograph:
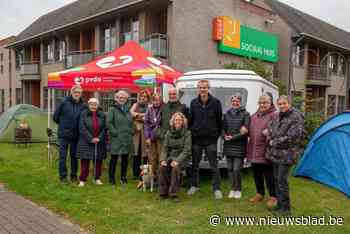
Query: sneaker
x,y
271,202
74,180
237,194
231,194
218,194
81,184
192,191
123,180
257,198
98,182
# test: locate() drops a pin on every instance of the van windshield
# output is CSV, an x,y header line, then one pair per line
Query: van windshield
x,y
223,94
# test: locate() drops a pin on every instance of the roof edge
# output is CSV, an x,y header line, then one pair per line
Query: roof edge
x,y
76,22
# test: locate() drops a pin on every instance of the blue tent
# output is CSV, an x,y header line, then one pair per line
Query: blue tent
x,y
326,159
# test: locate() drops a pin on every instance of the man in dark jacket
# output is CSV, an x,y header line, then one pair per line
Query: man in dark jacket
x,y
205,124
285,134
67,117
235,125
167,110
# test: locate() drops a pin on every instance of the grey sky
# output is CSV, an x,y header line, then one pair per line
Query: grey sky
x,y
16,15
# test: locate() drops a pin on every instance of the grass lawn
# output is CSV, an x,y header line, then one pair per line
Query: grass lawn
x,y
102,209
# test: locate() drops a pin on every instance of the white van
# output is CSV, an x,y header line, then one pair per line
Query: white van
x,y
224,83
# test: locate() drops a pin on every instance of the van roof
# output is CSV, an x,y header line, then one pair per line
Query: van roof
x,y
225,72
220,71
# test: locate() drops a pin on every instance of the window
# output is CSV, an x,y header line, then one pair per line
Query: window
x,y
341,104
19,58
60,50
341,66
331,105
1,69
45,98
2,100
48,52
18,96
107,99
1,57
108,37
333,63
130,30
298,55
59,96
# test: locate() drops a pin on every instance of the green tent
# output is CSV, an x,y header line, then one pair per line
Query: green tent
x,y
35,117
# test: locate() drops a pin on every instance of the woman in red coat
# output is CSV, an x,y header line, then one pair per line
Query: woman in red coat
x,y
262,167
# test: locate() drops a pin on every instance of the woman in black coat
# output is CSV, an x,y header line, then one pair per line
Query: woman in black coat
x,y
92,141
235,125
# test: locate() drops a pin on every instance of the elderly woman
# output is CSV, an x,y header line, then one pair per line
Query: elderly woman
x,y
176,148
285,136
262,168
138,111
92,141
235,125
120,131
152,124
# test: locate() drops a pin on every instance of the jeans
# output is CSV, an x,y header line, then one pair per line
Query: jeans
x,y
63,150
211,152
234,167
280,174
113,165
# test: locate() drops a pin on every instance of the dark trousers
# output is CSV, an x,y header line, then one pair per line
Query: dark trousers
x,y
280,174
263,173
169,180
85,168
113,165
137,161
63,150
211,152
234,168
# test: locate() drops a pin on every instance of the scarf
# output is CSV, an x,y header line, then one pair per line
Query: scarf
x,y
95,126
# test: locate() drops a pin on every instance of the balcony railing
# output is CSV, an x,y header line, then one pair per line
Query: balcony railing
x,y
318,75
76,58
157,44
30,70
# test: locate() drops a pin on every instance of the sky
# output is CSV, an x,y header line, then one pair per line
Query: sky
x,y
16,15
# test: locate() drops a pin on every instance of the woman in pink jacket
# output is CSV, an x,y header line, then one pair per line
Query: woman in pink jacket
x,y
262,167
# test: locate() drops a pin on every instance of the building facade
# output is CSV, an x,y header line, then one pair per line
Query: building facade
x,y
10,89
180,33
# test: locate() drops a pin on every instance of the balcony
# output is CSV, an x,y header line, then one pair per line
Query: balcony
x,y
157,44
76,58
30,71
318,75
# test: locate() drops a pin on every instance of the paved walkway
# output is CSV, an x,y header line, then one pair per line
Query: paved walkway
x,y
18,215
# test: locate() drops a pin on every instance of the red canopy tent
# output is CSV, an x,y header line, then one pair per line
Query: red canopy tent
x,y
128,67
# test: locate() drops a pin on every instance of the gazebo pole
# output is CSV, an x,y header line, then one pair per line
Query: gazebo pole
x,y
48,124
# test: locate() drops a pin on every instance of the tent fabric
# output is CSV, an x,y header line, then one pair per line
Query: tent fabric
x,y
326,158
128,67
35,118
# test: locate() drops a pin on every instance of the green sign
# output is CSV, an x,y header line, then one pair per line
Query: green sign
x,y
248,42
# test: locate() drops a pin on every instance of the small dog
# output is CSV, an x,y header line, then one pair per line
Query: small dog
x,y
147,177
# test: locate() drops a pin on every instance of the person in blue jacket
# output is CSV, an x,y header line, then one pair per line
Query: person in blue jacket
x,y
67,117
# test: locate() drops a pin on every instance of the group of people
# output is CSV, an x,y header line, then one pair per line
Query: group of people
x,y
166,135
